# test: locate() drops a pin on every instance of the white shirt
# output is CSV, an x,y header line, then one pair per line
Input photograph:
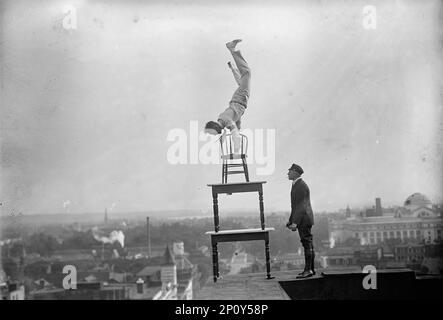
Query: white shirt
x,y
293,182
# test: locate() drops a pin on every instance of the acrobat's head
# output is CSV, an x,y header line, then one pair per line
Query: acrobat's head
x,y
213,128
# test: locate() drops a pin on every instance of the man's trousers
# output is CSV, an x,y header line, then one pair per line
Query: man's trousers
x,y
307,242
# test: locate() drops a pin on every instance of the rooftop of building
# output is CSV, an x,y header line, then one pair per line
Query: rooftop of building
x,y
417,200
390,219
329,284
252,286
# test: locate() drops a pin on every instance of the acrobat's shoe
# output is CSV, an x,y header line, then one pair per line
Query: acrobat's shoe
x,y
231,45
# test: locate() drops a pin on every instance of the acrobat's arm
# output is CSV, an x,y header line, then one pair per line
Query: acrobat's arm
x,y
236,138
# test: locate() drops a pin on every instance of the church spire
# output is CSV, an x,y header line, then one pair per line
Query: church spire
x,y
168,258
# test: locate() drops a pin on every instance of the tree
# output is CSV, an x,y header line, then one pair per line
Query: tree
x,y
11,268
16,250
80,240
41,243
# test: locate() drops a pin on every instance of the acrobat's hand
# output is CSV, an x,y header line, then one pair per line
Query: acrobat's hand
x,y
223,136
292,226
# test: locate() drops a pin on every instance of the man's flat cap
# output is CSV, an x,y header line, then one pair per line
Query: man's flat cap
x,y
296,168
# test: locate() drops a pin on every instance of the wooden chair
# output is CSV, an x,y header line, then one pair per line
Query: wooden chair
x,y
231,159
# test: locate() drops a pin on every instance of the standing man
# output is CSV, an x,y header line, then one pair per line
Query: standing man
x,y
302,217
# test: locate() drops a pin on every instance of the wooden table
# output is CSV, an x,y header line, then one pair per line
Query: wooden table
x,y
230,188
239,235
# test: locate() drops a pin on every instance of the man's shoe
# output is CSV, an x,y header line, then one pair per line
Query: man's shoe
x,y
305,274
231,45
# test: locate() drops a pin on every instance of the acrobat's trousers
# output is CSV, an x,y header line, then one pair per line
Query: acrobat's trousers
x,y
239,100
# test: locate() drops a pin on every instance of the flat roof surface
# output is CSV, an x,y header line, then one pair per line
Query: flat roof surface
x,y
251,286
255,286
359,271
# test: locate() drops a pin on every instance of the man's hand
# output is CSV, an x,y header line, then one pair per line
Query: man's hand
x,y
291,226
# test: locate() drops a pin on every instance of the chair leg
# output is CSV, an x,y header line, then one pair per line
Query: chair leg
x,y
223,171
245,168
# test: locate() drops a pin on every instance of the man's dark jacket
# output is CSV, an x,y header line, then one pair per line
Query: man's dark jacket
x,y
301,210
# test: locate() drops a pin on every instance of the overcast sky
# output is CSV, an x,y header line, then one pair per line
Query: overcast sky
x,y
86,112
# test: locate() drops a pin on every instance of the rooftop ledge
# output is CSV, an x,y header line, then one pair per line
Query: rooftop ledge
x,y
392,284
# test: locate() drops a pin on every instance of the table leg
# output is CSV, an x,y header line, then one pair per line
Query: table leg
x,y
215,208
268,262
216,256
214,260
262,210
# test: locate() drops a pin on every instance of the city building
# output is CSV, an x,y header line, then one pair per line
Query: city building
x,y
340,256
417,221
296,259
169,276
417,252
359,256
11,291
172,274
84,291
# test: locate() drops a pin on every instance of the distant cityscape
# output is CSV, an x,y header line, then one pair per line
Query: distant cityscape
x,y
144,257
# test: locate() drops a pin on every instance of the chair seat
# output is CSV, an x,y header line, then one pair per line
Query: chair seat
x,y
237,231
234,156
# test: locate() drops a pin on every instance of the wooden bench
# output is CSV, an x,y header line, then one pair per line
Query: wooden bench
x,y
239,235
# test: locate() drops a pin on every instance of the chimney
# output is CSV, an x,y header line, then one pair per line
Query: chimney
x,y
148,233
106,216
140,283
378,209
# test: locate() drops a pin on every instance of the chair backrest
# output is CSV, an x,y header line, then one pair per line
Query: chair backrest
x,y
227,144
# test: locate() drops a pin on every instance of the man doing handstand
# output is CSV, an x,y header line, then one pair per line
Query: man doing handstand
x,y
231,117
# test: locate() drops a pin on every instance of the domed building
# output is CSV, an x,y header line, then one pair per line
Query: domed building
x,y
417,200
416,221
417,205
